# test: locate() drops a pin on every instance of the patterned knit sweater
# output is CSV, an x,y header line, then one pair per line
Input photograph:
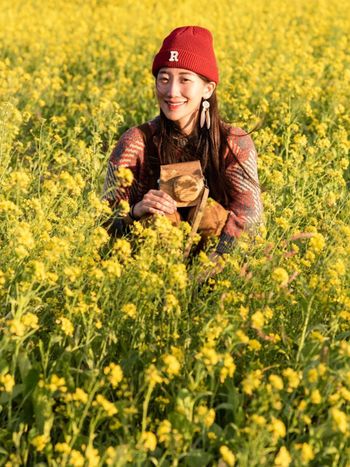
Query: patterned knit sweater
x,y
245,207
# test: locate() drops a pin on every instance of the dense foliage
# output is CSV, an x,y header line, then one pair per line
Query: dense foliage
x,y
115,353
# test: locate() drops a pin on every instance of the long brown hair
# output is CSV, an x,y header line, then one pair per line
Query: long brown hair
x,y
207,146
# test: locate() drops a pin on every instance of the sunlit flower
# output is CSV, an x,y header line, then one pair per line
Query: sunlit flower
x,y
107,406
39,442
66,325
76,459
281,276
306,451
258,320
228,368
148,441
277,428
153,376
57,383
92,456
339,419
78,396
63,448
283,458
164,431
276,381
7,382
252,381
293,378
114,374
315,396
205,415
317,243
227,455
172,365
124,176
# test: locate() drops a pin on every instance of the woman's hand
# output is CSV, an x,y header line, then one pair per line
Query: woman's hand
x,y
155,202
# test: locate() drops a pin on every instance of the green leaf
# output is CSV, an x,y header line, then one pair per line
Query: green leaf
x,y
24,364
7,396
198,458
31,380
43,412
4,366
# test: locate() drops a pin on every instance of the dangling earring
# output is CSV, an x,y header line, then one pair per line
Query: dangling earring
x,y
205,115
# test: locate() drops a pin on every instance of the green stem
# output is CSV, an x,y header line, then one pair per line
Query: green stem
x,y
145,406
84,414
306,323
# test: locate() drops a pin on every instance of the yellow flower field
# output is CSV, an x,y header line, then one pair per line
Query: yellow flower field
x,y
113,353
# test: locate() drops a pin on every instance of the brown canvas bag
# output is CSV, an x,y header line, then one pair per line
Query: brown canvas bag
x,y
183,181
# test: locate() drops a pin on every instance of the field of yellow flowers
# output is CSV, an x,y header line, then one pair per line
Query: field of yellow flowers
x,y
112,353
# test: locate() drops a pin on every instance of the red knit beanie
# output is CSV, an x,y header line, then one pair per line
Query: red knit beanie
x,y
189,47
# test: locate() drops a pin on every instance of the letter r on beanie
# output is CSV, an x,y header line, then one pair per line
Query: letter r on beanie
x,y
174,56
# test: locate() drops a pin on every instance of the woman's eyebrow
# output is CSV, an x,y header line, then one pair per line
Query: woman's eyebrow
x,y
181,73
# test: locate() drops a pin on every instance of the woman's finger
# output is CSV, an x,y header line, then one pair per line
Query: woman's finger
x,y
156,211
160,203
163,195
159,206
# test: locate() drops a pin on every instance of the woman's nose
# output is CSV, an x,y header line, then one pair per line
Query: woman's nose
x,y
173,88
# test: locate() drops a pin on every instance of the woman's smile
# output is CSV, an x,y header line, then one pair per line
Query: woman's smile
x,y
174,105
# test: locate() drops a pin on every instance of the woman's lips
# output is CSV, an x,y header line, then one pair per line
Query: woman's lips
x,y
174,105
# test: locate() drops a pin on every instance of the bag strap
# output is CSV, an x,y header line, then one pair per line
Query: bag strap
x,y
198,215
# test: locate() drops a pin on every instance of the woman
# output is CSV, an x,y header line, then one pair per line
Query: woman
x,y
188,128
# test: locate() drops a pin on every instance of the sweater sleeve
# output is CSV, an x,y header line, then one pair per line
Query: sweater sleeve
x,y
129,152
245,207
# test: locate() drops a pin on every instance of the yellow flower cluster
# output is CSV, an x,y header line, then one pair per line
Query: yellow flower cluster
x,y
18,327
114,374
7,382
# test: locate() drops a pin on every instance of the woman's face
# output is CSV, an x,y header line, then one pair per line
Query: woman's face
x,y
179,94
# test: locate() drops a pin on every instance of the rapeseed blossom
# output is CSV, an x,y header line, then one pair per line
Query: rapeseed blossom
x,y
276,381
79,396
172,365
227,456
76,459
306,451
205,416
129,309
283,458
280,275
153,376
164,432
293,378
252,381
40,442
340,420
107,406
7,382
148,441
114,374
92,456
66,326
277,428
